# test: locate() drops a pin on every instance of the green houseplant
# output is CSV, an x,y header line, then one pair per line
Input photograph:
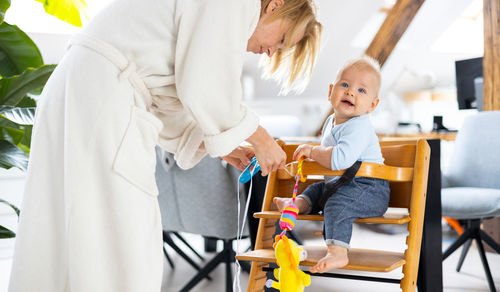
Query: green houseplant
x,y
22,76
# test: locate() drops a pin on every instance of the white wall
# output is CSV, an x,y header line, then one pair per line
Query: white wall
x,y
52,46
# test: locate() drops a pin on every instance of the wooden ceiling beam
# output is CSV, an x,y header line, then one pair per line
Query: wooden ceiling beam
x,y
397,21
491,60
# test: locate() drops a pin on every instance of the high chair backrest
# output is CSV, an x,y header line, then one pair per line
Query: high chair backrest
x,y
400,155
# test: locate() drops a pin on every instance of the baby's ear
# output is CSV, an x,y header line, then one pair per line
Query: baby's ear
x,y
375,102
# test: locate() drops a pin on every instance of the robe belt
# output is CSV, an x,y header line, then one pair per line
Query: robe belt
x,y
128,69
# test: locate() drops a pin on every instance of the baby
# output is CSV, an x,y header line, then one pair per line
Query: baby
x,y
348,139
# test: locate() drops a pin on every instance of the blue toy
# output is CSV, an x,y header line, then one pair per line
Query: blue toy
x,y
250,171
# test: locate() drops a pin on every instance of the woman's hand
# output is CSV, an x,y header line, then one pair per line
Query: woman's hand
x,y
304,150
269,154
240,157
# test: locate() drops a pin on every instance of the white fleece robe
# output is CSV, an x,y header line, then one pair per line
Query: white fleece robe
x,y
143,73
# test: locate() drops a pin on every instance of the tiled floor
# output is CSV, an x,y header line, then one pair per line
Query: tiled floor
x,y
470,279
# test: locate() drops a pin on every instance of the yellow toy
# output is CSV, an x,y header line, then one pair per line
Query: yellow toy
x,y
288,256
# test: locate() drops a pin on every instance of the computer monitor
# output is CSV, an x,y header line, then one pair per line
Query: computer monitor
x,y
469,74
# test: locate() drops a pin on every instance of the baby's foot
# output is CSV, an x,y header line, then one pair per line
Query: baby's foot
x,y
281,203
334,259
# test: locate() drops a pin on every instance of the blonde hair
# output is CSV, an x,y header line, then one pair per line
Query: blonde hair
x,y
292,66
364,62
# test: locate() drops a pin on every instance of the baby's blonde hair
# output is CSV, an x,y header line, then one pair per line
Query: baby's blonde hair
x,y
363,62
292,66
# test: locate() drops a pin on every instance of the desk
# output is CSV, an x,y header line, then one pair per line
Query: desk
x,y
447,136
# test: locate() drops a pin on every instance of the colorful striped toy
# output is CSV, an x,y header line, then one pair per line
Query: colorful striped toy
x,y
290,213
289,217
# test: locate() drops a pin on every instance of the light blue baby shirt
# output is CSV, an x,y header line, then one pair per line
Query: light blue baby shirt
x,y
352,140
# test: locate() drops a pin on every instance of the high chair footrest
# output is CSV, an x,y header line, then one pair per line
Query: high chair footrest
x,y
388,218
359,259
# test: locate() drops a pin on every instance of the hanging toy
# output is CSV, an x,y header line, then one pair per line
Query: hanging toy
x,y
289,217
288,254
290,212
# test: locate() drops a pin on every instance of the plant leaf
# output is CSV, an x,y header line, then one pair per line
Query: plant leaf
x,y
17,51
4,5
66,10
14,133
14,136
25,148
26,141
14,89
21,116
11,156
10,205
6,233
27,101
8,124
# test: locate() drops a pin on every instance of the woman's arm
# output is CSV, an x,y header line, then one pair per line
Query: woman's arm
x,y
269,154
209,50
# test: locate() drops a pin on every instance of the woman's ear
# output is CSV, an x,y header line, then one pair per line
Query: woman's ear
x,y
273,5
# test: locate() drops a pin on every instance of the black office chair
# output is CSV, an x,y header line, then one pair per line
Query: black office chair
x,y
168,239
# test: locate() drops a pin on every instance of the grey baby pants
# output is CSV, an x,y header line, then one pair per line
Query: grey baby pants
x,y
362,197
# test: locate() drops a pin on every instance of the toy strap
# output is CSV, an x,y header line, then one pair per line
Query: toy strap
x,y
298,177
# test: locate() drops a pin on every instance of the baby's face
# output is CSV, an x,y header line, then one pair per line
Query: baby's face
x,y
354,94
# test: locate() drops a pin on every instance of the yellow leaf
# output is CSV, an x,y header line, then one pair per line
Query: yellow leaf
x,y
66,10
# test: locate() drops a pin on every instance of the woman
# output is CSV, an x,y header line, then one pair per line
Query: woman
x,y
159,72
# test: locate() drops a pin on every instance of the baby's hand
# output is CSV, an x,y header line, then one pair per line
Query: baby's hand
x,y
303,150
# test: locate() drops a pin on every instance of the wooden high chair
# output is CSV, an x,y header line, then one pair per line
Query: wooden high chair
x,y
406,167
